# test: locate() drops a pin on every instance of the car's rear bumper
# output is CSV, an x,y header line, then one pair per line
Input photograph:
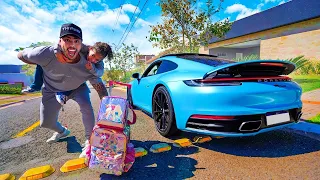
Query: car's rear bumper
x,y
246,125
232,134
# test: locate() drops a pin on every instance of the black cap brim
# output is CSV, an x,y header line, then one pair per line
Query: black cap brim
x,y
71,34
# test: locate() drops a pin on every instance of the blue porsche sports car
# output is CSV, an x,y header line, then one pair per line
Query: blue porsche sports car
x,y
209,95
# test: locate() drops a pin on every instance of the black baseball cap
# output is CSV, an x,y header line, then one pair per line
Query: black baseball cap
x,y
70,29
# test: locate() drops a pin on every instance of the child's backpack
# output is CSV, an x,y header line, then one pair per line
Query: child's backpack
x,y
110,149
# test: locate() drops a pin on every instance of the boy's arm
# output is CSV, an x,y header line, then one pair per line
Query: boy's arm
x,y
99,86
97,69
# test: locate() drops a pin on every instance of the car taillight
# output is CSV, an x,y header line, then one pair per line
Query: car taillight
x,y
235,81
272,64
200,83
212,117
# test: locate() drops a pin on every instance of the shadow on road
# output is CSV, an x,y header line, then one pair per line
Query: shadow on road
x,y
271,144
73,145
165,165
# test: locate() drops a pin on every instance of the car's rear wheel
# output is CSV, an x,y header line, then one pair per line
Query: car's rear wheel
x,y
163,112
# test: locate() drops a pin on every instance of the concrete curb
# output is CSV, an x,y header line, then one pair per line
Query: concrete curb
x,y
8,104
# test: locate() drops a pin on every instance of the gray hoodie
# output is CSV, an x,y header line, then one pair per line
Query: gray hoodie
x,y
59,76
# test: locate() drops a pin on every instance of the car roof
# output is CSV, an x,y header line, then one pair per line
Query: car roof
x,y
196,59
182,54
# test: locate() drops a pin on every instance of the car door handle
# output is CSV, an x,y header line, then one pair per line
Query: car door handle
x,y
147,86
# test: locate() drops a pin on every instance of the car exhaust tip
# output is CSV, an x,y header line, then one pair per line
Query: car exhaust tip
x,y
250,126
298,117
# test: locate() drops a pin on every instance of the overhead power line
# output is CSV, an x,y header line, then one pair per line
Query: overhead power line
x,y
118,15
132,24
129,22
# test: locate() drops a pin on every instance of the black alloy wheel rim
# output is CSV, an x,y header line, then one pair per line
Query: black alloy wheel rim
x,y
161,111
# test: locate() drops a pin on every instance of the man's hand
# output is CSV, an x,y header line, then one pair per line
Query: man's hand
x,y
89,65
101,89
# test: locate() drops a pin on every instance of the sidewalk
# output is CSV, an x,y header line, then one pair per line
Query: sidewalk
x,y
311,104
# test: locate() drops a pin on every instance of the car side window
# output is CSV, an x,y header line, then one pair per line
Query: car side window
x,y
152,70
166,66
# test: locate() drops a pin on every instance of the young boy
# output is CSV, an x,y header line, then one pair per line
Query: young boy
x,y
95,55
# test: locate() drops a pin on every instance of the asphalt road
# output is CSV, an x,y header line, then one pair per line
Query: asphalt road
x,y
273,155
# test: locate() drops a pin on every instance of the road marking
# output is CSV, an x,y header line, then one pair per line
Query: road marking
x,y
184,142
38,172
311,102
161,147
7,176
22,133
201,139
73,165
139,151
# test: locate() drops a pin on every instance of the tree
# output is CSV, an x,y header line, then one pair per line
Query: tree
x,y
43,43
122,63
185,29
124,58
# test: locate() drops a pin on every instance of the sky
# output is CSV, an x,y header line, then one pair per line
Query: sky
x,y
23,22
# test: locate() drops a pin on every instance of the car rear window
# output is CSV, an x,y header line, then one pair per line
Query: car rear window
x,y
208,60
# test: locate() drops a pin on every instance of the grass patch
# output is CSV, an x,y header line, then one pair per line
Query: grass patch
x,y
307,82
315,119
33,94
1,95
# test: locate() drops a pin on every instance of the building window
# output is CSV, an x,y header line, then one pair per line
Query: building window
x,y
222,54
239,55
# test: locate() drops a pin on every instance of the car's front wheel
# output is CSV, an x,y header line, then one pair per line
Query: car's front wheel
x,y
163,112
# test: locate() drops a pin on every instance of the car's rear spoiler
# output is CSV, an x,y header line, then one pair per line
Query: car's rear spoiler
x,y
255,68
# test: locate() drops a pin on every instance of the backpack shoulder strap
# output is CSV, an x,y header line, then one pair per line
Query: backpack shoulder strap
x,y
134,115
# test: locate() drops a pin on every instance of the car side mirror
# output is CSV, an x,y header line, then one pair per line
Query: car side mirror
x,y
136,75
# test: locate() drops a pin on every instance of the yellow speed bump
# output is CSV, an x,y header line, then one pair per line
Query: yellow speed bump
x,y
73,165
139,151
199,139
184,142
7,177
37,173
161,147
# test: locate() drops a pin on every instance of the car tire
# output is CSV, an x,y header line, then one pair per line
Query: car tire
x,y
163,113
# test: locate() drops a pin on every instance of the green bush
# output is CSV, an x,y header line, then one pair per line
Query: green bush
x,y
119,75
302,64
313,67
10,88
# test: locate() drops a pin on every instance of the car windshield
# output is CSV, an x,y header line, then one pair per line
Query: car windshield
x,y
208,60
